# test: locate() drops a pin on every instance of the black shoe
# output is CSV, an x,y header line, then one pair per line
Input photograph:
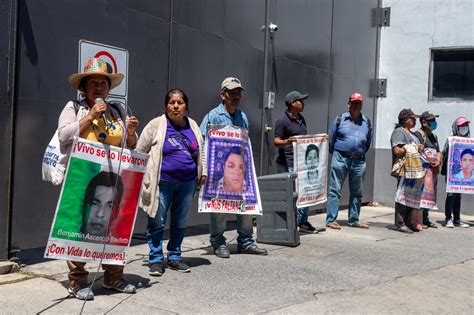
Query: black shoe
x,y
222,251
254,250
156,269
178,265
430,225
306,227
320,229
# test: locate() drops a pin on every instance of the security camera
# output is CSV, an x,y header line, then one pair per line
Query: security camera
x,y
273,27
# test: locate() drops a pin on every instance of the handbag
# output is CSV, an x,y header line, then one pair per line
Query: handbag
x,y
397,168
55,160
56,157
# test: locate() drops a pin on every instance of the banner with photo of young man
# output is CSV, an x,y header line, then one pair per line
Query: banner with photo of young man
x,y
231,185
96,210
460,177
311,165
430,182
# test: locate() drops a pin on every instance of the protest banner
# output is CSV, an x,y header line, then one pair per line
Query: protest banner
x,y
460,177
96,210
311,164
428,195
409,192
231,185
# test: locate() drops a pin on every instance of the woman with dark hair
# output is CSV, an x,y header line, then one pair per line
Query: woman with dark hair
x,y
95,119
401,137
428,138
176,165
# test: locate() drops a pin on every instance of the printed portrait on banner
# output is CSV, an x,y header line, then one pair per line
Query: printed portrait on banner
x,y
311,164
428,195
231,185
98,203
409,192
460,175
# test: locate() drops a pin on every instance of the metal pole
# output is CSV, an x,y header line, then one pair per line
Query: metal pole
x,y
11,100
170,44
265,83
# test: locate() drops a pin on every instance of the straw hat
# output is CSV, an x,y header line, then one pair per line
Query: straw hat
x,y
96,66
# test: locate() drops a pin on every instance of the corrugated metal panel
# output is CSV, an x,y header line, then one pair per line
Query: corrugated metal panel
x,y
319,48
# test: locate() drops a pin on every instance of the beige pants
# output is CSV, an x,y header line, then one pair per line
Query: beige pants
x,y
78,275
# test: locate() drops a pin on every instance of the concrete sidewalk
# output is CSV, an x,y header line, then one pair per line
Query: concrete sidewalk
x,y
348,271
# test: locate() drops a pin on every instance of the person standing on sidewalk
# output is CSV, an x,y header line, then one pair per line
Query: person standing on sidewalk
x,y
177,166
228,113
430,141
453,200
404,144
349,140
100,121
292,124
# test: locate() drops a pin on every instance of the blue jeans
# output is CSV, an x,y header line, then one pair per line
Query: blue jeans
x,y
177,197
244,229
340,167
301,213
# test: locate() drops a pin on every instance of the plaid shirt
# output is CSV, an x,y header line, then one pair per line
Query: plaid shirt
x,y
412,167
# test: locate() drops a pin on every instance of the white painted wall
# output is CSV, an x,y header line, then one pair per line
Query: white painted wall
x,y
415,27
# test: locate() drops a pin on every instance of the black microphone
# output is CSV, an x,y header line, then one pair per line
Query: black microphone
x,y
102,115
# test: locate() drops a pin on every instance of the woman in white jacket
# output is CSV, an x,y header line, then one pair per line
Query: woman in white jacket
x,y
176,166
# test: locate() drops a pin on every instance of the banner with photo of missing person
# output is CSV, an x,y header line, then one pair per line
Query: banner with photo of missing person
x,y
231,185
97,207
460,174
311,156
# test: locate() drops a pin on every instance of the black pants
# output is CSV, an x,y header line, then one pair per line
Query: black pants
x,y
402,215
426,216
453,207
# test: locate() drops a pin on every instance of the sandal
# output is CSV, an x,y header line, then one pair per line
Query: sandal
x,y
334,225
121,286
82,292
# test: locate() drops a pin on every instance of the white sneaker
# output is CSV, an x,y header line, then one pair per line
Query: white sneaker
x,y
461,224
449,223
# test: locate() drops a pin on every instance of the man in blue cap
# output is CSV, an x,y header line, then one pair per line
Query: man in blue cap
x,y
292,124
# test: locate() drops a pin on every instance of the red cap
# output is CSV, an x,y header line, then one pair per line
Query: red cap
x,y
356,97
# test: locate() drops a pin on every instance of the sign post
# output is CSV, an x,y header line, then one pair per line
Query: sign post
x,y
115,56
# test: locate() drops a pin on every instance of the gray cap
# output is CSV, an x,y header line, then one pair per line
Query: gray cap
x,y
294,96
231,83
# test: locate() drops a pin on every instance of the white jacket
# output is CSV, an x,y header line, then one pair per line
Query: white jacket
x,y
151,141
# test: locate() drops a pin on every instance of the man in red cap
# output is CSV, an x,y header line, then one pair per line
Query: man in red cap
x,y
349,139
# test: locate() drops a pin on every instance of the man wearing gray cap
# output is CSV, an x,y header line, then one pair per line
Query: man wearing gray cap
x,y
227,113
292,124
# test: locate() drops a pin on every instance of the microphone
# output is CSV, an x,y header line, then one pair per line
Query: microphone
x,y
100,101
